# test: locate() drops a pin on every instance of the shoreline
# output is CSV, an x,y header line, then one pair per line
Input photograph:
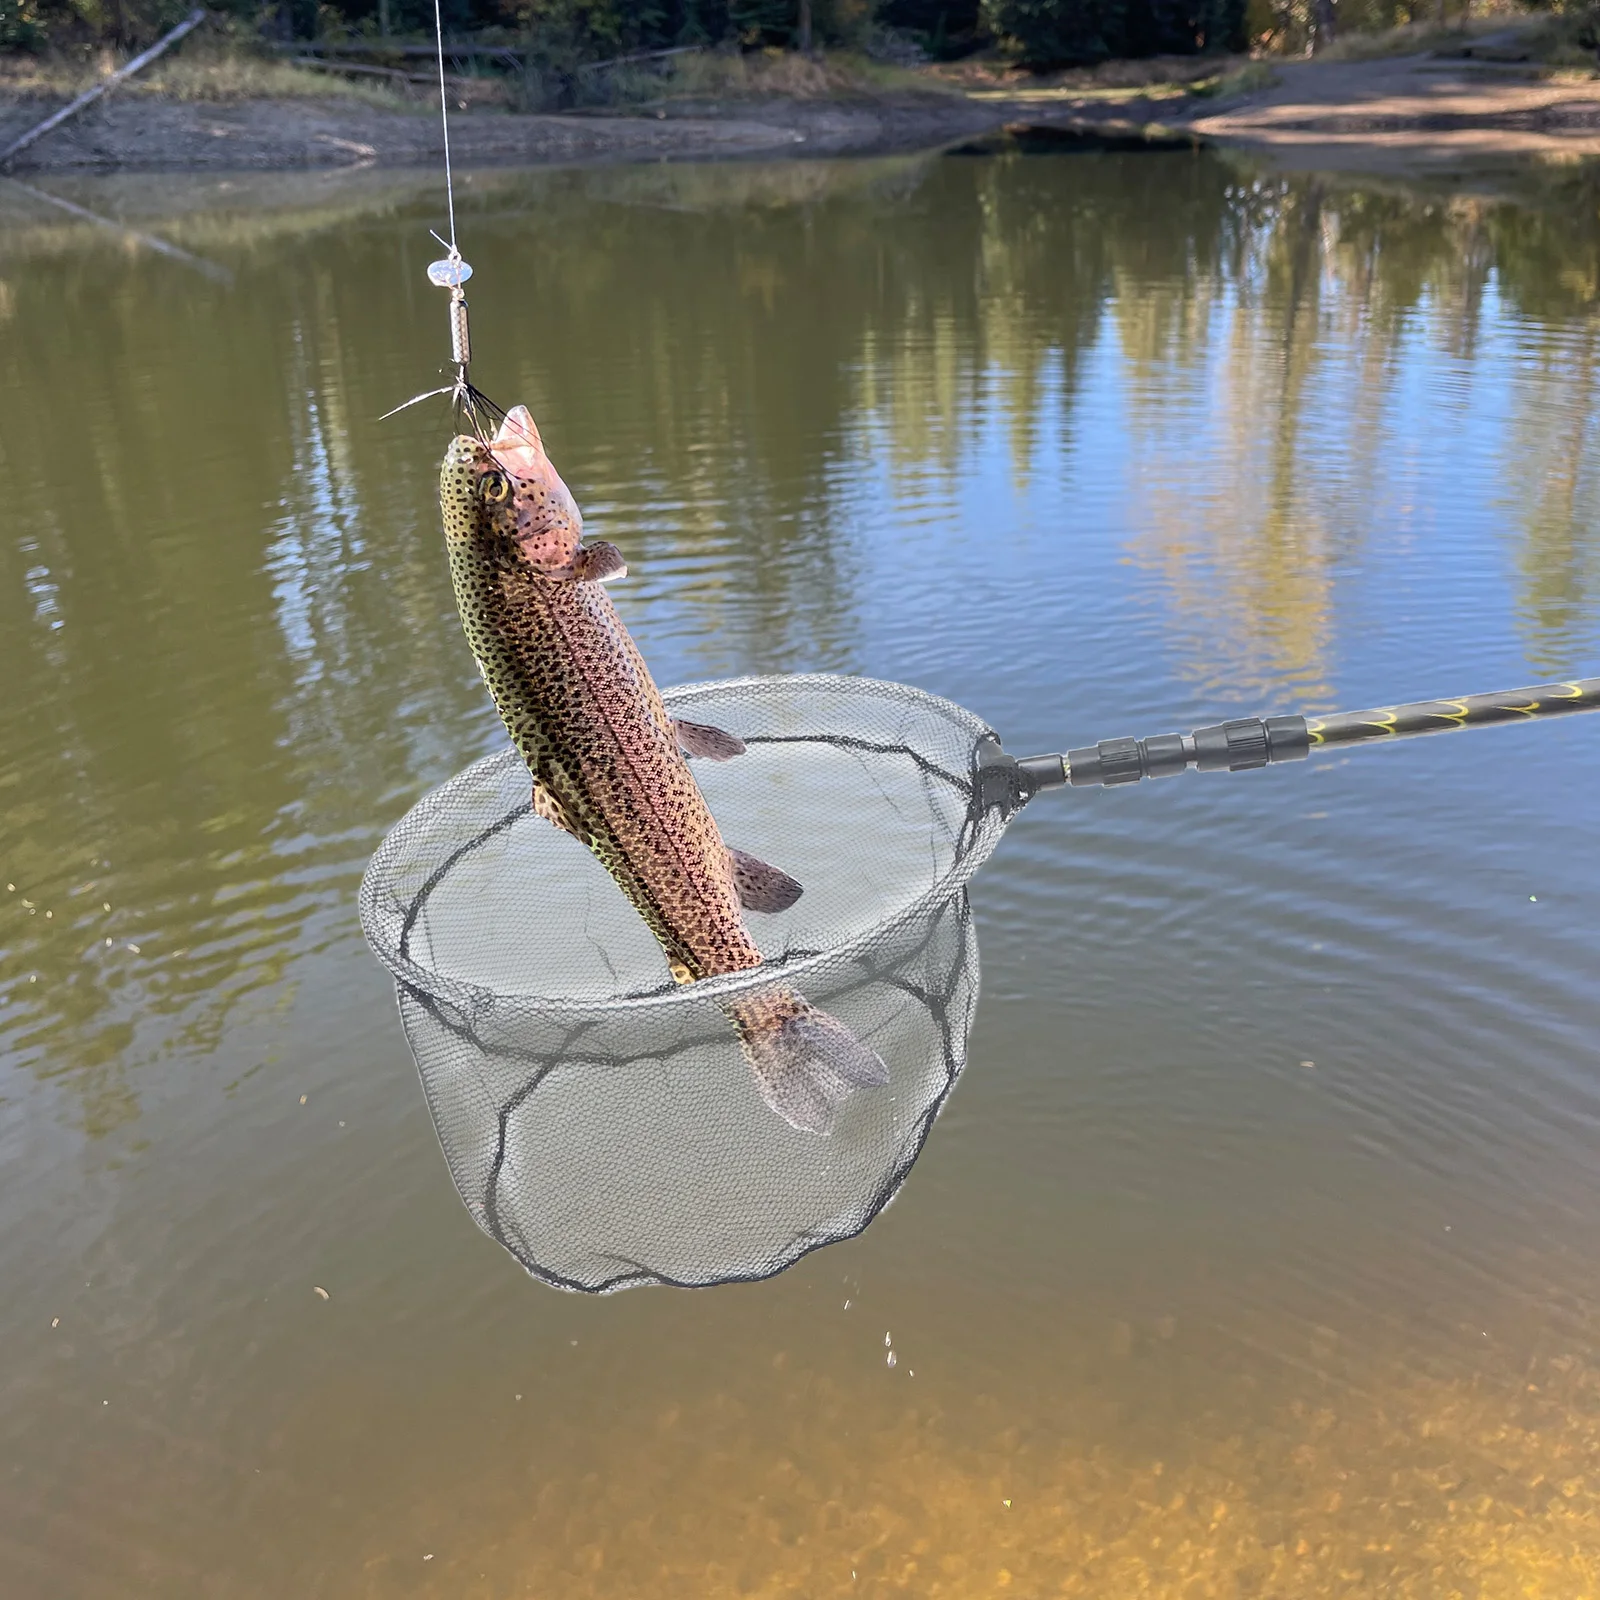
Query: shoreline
x,y
1419,109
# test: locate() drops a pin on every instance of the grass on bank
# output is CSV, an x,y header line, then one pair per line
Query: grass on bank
x,y
1415,38
1156,78
230,67
211,71
1568,40
1561,42
225,69
1249,77
784,72
1561,39
242,75
716,75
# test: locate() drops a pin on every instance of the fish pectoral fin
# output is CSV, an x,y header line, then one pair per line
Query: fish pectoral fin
x,y
599,562
547,806
701,739
762,888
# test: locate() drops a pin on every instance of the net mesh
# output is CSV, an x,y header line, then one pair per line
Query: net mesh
x,y
599,1120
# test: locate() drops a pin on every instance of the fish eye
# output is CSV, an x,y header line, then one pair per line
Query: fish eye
x,y
494,487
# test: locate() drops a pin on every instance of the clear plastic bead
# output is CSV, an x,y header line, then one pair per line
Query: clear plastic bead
x,y
449,274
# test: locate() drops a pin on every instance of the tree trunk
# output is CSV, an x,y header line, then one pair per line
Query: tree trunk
x,y
803,28
1327,25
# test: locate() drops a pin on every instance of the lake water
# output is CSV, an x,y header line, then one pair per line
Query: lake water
x,y
1258,1251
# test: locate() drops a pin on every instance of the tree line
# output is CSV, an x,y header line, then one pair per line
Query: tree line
x,y
1038,33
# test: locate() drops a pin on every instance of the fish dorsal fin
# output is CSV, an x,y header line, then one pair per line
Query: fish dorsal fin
x,y
517,446
761,888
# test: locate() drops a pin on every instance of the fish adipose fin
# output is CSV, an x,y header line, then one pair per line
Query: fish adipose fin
x,y
701,739
762,888
806,1064
547,806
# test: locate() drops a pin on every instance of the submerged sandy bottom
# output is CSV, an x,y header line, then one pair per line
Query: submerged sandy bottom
x,y
1425,1488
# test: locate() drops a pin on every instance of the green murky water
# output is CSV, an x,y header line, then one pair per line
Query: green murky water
x,y
1256,1253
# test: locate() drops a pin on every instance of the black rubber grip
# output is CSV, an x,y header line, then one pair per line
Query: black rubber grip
x,y
1232,746
1119,761
1237,746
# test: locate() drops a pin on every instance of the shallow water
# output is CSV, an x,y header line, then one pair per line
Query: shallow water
x,y
1256,1253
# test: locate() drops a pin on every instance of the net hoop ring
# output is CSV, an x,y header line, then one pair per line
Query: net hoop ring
x,y
980,830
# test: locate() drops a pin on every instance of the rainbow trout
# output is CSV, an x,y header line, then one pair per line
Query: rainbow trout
x,y
608,763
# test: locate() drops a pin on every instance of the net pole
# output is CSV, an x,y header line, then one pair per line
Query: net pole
x,y
1249,742
1441,716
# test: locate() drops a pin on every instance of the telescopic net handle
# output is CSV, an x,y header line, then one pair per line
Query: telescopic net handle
x,y
1249,742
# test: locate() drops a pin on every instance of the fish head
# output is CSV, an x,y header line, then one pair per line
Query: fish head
x,y
506,490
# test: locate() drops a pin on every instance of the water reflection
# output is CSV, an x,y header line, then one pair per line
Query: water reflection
x,y
1553,474
225,621
1092,445
195,474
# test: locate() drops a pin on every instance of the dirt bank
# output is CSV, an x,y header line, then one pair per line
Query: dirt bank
x,y
1398,111
150,133
1411,108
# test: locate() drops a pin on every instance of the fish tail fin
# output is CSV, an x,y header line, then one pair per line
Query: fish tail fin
x,y
806,1064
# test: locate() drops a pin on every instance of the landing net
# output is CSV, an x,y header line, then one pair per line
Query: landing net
x,y
599,1120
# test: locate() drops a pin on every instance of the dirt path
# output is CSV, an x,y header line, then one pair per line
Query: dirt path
x,y
1413,107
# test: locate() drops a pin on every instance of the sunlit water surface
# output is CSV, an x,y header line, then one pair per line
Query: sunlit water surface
x,y
1258,1253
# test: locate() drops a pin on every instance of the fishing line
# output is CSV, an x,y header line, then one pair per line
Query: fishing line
x,y
452,273
444,118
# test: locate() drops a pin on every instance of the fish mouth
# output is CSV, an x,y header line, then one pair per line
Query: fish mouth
x,y
477,417
517,447
488,435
